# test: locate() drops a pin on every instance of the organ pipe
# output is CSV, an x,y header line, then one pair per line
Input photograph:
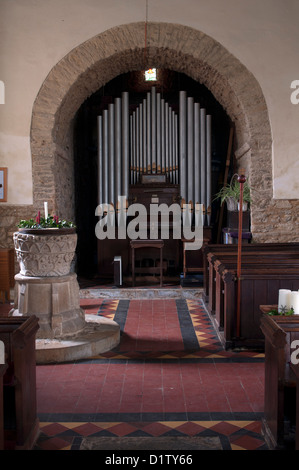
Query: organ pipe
x,y
166,138
134,161
197,193
153,138
131,149
100,159
111,192
203,156
163,158
144,137
183,145
105,158
137,137
125,144
118,150
209,164
190,149
141,139
148,126
158,133
176,148
154,130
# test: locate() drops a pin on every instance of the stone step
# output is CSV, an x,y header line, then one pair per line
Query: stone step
x,y
142,293
99,335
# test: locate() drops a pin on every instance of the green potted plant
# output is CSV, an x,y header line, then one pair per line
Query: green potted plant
x,y
45,246
230,193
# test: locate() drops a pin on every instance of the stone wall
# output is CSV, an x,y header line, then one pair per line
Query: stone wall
x,y
10,216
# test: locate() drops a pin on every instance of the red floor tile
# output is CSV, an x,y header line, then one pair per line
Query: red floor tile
x,y
160,386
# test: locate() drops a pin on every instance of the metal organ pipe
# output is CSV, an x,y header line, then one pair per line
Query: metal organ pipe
x,y
176,149
144,137
148,126
100,159
141,139
203,156
125,144
170,145
197,195
131,149
111,154
137,138
118,150
105,158
209,164
183,145
163,138
166,138
173,146
190,149
154,130
158,133
194,153
155,139
134,148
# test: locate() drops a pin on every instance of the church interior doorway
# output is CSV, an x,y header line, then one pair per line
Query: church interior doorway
x,y
95,257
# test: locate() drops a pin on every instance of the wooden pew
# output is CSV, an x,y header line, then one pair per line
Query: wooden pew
x,y
266,268
280,381
262,265
3,368
255,249
258,287
254,259
295,371
21,425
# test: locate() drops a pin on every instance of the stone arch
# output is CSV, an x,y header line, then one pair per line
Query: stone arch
x,y
94,63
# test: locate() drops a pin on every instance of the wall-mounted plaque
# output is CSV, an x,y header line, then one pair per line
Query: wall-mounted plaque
x,y
3,184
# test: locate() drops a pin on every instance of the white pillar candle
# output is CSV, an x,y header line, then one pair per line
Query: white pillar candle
x,y
283,299
46,209
294,301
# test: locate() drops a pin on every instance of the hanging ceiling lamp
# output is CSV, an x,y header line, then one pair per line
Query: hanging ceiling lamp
x,y
149,74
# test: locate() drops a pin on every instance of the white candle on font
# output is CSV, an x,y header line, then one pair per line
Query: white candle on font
x,y
46,209
283,299
294,301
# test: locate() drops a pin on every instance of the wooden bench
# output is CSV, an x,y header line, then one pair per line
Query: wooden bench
x,y
259,286
264,270
255,249
295,371
21,425
253,260
3,368
280,380
260,266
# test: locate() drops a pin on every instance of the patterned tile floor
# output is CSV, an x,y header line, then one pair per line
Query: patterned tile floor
x,y
168,378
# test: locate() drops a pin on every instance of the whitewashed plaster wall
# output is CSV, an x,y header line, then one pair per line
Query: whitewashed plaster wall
x,y
36,34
